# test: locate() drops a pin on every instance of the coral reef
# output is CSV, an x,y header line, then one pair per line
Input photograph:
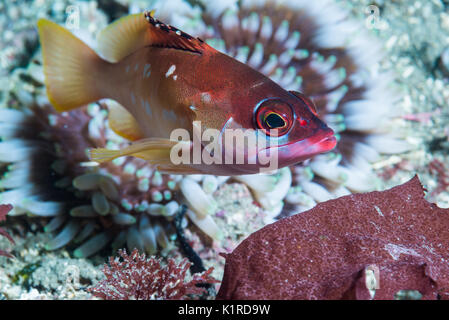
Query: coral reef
x,y
438,168
362,246
4,209
139,278
414,37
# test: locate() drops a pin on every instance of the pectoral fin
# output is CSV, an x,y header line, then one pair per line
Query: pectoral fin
x,y
123,123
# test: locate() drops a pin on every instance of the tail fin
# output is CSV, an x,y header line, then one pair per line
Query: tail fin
x,y
71,68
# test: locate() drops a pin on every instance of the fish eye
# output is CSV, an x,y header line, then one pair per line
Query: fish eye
x,y
274,121
274,114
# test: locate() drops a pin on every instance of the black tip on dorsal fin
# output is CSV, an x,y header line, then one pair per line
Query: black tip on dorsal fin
x,y
167,36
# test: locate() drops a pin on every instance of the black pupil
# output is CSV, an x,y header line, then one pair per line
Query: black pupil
x,y
274,121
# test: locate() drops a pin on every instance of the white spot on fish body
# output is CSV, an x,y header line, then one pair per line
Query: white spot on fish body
x,y
127,69
136,67
169,115
170,71
147,70
192,108
175,77
133,98
258,84
206,97
148,108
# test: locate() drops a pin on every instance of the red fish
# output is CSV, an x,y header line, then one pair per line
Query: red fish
x,y
165,79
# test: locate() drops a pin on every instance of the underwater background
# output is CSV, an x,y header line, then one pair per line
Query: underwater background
x,y
377,72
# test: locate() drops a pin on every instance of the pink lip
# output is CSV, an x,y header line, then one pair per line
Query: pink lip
x,y
323,141
328,143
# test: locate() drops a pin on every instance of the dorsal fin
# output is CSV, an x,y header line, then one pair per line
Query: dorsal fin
x,y
123,37
166,36
130,33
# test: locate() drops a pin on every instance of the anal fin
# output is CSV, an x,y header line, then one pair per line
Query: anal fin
x,y
154,150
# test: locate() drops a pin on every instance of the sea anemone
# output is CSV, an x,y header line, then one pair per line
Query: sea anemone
x,y
305,46
315,48
124,201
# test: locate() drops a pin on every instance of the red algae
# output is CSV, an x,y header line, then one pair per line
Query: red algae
x,y
361,246
137,277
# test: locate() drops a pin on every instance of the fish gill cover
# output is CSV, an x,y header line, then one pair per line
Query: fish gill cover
x,y
363,246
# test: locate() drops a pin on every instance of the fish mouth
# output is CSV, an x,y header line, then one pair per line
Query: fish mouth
x,y
289,154
319,143
327,143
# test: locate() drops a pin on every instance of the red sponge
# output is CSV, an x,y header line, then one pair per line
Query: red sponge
x,y
360,246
